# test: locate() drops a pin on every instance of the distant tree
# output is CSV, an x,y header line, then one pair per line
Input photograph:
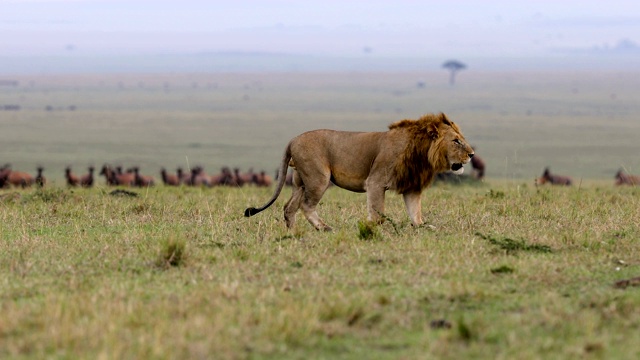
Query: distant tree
x,y
453,66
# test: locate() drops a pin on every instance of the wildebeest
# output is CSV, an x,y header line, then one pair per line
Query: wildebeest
x,y
86,180
142,180
169,179
72,180
225,177
477,164
116,177
245,178
19,178
183,177
5,170
40,179
623,178
262,179
553,179
199,177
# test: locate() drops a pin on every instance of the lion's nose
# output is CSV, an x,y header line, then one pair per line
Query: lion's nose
x,y
471,155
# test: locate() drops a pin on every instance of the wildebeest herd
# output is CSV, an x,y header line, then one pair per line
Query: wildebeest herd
x,y
132,177
621,177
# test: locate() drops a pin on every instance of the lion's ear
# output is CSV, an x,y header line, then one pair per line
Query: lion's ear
x,y
444,119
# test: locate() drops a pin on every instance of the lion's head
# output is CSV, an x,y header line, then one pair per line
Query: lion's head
x,y
436,145
450,142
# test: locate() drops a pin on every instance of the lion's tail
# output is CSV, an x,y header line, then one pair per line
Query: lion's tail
x,y
282,175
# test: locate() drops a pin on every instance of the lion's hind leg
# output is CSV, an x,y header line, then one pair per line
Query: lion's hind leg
x,y
312,192
309,204
293,205
311,198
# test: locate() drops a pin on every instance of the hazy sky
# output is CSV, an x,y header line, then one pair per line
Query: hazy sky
x,y
324,27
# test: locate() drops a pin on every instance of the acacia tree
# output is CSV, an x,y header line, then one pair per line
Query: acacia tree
x,y
453,66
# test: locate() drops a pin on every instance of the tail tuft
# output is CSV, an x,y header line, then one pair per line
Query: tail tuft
x,y
250,212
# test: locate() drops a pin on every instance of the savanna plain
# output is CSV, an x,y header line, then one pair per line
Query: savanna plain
x,y
503,269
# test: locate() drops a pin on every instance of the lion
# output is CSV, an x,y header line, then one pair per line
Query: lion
x,y
405,159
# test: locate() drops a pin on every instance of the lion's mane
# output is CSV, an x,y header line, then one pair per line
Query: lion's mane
x,y
424,155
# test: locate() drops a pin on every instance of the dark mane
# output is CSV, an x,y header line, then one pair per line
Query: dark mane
x,y
423,157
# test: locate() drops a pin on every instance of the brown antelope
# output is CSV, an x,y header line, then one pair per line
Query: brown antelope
x,y
40,179
184,178
19,178
239,179
477,164
72,180
169,179
117,178
547,177
262,179
247,178
142,180
225,177
86,180
5,170
623,178
199,177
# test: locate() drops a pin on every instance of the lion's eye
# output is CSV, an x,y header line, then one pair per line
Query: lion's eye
x,y
457,141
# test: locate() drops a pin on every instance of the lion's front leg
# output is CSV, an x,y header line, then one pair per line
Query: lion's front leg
x,y
375,204
414,207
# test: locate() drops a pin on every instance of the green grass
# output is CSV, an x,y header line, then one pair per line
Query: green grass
x,y
503,269
87,275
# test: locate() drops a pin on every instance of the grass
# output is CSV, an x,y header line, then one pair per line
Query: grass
x,y
180,273
503,269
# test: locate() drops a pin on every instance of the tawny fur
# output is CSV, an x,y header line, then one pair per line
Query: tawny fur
x,y
405,159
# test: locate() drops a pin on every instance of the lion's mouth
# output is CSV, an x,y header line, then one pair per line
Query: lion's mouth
x,y
457,168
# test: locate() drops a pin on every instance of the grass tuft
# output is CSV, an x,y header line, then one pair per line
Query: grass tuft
x,y
367,230
512,246
464,331
172,253
504,269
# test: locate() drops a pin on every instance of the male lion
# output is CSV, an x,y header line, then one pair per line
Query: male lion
x,y
405,159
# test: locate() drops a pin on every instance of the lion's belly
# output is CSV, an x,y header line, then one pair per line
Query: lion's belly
x,y
348,185
349,179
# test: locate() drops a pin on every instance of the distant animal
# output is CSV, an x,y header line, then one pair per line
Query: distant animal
x,y
142,180
288,180
248,177
40,180
20,179
239,179
185,178
623,178
115,177
477,164
72,180
225,177
405,159
169,179
199,177
553,179
5,170
86,180
262,179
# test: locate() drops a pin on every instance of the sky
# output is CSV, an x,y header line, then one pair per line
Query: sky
x,y
398,28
